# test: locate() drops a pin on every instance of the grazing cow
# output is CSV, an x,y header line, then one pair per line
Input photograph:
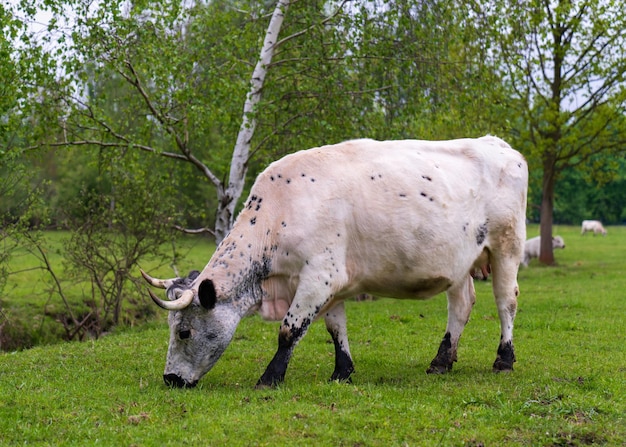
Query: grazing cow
x,y
532,247
404,219
592,225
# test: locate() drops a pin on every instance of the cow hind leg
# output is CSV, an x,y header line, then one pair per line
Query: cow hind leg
x,y
505,290
461,299
336,326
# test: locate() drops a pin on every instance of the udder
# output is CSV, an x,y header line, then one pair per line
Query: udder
x,y
273,309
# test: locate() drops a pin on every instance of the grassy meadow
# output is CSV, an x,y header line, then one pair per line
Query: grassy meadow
x,y
568,387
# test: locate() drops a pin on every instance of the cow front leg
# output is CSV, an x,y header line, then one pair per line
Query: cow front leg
x,y
275,372
292,329
461,299
337,328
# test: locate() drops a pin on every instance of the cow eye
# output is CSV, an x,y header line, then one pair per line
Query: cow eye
x,y
184,334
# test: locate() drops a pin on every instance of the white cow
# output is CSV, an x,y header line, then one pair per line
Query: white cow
x,y
404,219
593,225
532,247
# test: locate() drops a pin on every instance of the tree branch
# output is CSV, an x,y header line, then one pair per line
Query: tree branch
x,y
194,230
306,30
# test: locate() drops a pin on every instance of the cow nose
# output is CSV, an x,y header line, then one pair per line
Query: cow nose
x,y
176,381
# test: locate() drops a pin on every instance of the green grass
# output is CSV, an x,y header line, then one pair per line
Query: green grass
x,y
568,387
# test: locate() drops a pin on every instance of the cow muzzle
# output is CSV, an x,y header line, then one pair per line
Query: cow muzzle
x,y
173,380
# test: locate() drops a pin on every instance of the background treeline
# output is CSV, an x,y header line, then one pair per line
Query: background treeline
x,y
103,94
114,93
580,198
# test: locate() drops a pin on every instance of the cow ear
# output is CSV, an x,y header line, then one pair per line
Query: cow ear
x,y
207,295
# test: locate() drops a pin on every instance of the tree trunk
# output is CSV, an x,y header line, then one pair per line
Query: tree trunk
x,y
546,253
229,196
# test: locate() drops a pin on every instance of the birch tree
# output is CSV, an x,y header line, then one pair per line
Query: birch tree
x,y
229,194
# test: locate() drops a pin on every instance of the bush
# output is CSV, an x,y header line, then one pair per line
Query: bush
x,y
119,225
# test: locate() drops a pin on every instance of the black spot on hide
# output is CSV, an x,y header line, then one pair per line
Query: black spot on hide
x,y
258,201
402,194
312,180
481,233
295,332
288,180
253,221
271,177
425,177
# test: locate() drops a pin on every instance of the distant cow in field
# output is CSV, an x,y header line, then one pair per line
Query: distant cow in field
x,y
593,225
532,247
403,219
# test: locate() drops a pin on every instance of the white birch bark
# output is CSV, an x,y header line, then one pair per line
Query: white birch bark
x,y
229,195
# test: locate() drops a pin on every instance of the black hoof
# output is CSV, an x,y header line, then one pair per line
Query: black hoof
x,y
438,369
265,383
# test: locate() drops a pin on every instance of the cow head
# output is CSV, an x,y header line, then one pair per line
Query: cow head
x,y
558,242
200,327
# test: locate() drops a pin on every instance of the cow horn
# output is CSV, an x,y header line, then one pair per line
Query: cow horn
x,y
185,300
160,283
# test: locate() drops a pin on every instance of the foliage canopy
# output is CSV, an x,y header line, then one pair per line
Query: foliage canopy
x,y
131,111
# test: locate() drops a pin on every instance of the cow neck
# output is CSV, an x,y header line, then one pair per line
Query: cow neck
x,y
237,270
